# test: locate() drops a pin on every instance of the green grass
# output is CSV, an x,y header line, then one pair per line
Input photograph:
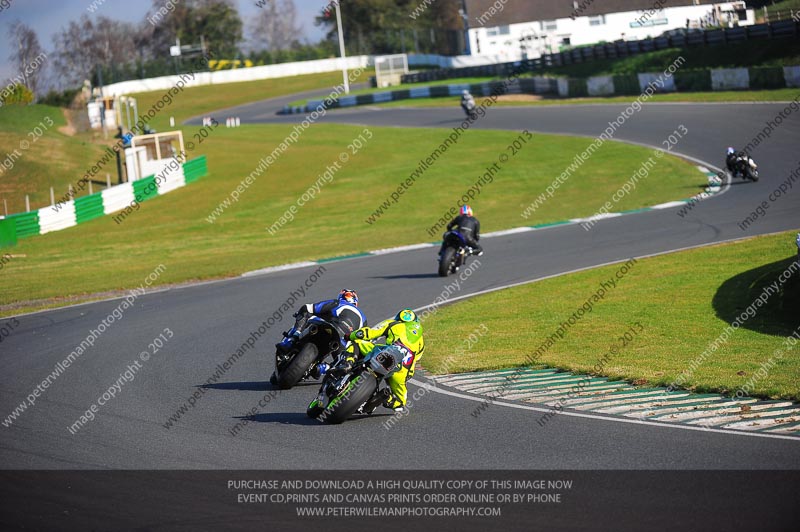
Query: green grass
x,y
101,255
778,95
198,100
53,159
59,160
682,300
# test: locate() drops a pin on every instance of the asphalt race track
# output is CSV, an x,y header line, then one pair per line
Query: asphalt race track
x,y
212,320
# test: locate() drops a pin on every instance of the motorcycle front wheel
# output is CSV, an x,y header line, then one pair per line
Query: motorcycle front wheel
x,y
355,394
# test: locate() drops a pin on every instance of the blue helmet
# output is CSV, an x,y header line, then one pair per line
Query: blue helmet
x,y
349,297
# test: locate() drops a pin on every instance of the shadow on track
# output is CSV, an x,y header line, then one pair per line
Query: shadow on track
x,y
284,418
254,386
779,316
408,276
298,418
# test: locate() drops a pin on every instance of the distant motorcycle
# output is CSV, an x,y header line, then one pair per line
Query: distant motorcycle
x,y
748,168
744,166
468,105
301,358
454,253
359,390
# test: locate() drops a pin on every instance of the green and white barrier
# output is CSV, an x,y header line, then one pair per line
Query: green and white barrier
x,y
536,85
115,199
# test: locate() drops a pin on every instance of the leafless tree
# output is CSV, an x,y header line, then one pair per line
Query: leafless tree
x,y
275,27
84,45
27,55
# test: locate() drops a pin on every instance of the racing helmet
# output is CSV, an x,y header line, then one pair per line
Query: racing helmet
x,y
348,296
466,210
731,151
465,92
406,315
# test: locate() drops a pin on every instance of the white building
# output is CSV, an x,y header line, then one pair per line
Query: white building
x,y
515,29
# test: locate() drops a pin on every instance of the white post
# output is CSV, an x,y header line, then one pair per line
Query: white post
x,y
341,49
108,180
90,188
52,197
5,204
27,203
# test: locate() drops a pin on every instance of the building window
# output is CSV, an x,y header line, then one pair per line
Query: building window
x,y
597,20
548,25
498,30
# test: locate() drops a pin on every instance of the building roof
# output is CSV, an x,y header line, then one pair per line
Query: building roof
x,y
519,11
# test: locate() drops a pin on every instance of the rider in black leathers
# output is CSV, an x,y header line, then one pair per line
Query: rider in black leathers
x,y
469,227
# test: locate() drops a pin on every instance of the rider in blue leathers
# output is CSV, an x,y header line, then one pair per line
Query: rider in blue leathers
x,y
342,312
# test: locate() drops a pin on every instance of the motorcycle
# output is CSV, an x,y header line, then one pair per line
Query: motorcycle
x,y
745,167
469,107
748,168
360,389
454,253
302,357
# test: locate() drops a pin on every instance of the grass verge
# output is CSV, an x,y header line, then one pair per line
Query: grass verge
x,y
52,158
195,101
58,159
174,229
684,301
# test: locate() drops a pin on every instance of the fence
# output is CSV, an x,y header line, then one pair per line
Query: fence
x,y
626,84
775,30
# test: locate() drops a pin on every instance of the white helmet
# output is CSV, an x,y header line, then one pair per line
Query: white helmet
x,y
731,151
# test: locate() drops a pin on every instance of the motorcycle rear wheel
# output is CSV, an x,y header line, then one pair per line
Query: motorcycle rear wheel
x,y
298,366
446,262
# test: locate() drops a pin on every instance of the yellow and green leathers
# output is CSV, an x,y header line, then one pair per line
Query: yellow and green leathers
x,y
407,334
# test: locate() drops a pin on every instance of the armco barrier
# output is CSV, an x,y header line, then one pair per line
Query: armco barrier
x,y
8,232
194,169
116,198
538,85
88,208
27,223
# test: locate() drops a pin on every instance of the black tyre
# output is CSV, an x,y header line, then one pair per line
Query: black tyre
x,y
294,370
446,261
357,392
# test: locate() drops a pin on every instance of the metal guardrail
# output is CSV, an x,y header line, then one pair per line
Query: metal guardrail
x,y
784,29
